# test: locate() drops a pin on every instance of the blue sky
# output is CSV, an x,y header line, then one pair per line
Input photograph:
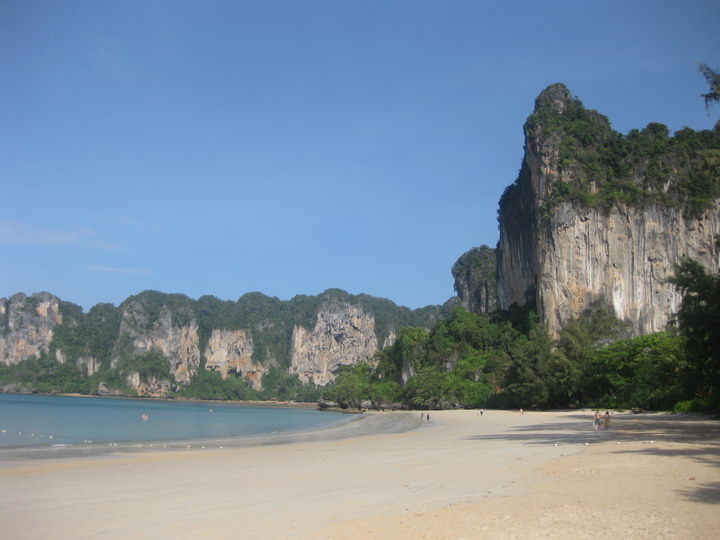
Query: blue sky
x,y
222,147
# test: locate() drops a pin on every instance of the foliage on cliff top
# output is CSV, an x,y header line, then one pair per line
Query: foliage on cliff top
x,y
479,261
712,78
599,167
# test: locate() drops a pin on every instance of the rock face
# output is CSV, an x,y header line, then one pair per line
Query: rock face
x,y
343,335
179,344
564,254
476,280
153,343
27,325
230,353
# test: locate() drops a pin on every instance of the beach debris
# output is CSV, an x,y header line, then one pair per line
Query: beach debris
x,y
587,444
555,444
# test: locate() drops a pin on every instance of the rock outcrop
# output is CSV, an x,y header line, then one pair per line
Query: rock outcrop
x,y
230,353
154,343
179,344
343,335
476,280
564,247
27,324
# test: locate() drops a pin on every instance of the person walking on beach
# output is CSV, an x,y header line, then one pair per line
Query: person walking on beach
x,y
606,420
596,420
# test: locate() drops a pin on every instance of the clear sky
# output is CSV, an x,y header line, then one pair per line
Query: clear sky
x,y
287,147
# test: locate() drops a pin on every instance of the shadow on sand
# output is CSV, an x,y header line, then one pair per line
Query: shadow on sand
x,y
696,437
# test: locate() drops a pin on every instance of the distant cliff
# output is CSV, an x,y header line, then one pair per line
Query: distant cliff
x,y
28,324
154,344
475,275
596,216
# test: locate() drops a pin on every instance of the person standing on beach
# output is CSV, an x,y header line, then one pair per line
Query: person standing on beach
x,y
606,420
596,420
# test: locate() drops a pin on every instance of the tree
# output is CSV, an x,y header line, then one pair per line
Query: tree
x,y
713,80
644,371
699,320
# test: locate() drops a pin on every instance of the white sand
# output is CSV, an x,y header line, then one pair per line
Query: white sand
x,y
502,475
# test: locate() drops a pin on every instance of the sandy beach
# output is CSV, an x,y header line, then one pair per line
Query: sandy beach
x,y
460,475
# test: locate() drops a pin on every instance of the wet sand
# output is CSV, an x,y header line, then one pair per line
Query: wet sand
x,y
502,475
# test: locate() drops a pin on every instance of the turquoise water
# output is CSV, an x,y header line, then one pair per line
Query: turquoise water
x,y
56,421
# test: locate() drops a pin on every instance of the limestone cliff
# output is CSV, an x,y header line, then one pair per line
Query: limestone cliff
x,y
27,325
597,216
142,333
476,280
230,353
154,343
343,335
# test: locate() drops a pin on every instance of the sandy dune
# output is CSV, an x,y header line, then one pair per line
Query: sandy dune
x,y
502,475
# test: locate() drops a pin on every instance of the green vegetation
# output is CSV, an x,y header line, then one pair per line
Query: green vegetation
x,y
600,168
45,375
510,361
712,78
210,385
698,321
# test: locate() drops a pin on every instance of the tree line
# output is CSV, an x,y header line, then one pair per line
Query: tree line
x,y
508,360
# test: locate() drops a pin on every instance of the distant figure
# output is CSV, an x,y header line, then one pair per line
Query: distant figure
x,y
522,412
596,420
482,412
606,419
428,417
145,417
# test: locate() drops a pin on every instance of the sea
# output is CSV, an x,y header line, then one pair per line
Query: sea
x,y
34,421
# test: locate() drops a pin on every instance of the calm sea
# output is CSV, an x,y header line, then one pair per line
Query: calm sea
x,y
56,421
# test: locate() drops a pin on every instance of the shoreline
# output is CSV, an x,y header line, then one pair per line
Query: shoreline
x,y
252,403
355,426
460,475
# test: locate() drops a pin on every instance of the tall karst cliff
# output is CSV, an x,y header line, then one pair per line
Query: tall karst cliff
x,y
154,344
596,216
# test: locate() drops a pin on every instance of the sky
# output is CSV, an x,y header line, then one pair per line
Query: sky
x,y
224,147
